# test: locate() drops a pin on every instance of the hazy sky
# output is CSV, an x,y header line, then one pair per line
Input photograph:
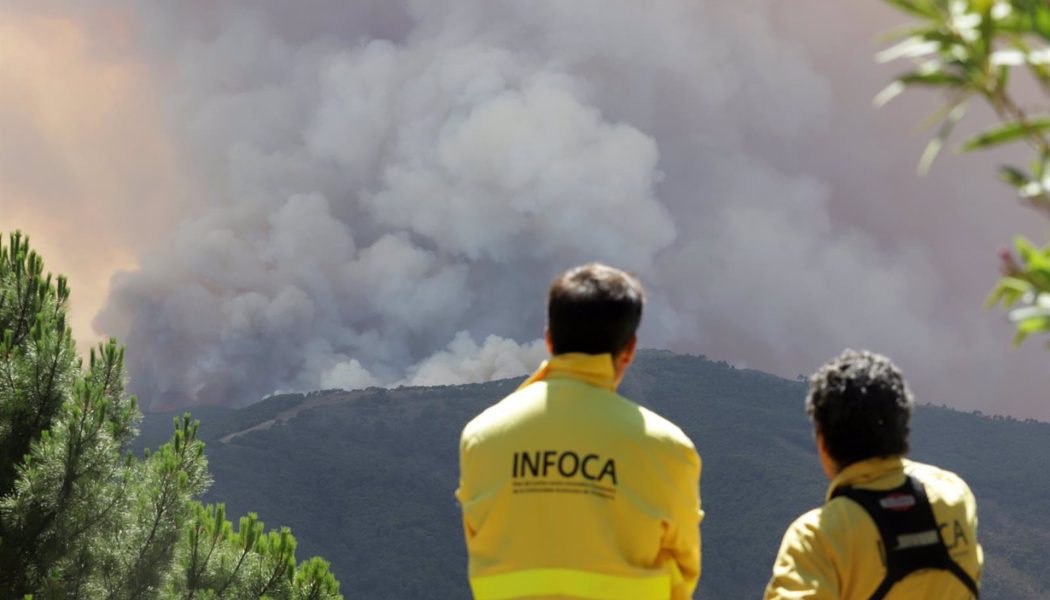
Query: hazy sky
x,y
259,196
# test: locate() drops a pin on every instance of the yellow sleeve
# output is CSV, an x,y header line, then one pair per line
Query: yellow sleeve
x,y
463,493
683,539
805,566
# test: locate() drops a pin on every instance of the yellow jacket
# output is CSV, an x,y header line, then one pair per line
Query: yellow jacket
x,y
570,490
834,553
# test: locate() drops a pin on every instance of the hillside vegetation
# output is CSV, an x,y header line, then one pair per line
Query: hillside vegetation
x,y
366,477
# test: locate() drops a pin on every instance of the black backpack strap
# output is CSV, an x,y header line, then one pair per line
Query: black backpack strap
x,y
910,535
964,577
883,589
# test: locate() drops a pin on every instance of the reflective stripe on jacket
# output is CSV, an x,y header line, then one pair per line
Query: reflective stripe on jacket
x,y
569,490
834,552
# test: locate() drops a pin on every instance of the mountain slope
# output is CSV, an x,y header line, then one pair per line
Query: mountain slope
x,y
366,478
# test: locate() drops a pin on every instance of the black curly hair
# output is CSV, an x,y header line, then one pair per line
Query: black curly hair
x,y
861,404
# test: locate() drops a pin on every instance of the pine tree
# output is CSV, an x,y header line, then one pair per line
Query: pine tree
x,y
36,349
215,561
80,517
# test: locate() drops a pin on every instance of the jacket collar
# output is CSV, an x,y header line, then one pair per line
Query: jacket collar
x,y
595,369
867,471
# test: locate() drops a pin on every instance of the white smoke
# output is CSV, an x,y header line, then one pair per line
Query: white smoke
x,y
380,199
388,183
466,362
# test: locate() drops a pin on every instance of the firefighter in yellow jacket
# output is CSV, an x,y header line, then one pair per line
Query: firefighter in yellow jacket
x,y
890,528
569,490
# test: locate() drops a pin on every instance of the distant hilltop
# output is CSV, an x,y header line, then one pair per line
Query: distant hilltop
x,y
366,477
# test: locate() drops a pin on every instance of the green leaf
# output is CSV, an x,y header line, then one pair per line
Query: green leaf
x,y
937,143
1030,326
906,31
1019,338
932,78
888,93
1042,171
915,7
982,6
1008,291
1032,318
912,47
1014,177
1004,134
942,112
1025,248
1000,294
1041,21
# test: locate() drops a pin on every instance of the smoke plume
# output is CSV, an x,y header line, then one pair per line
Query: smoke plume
x,y
378,193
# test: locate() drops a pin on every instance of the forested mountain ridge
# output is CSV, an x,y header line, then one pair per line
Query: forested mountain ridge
x,y
366,478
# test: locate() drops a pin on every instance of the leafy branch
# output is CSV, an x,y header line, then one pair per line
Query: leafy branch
x,y
973,49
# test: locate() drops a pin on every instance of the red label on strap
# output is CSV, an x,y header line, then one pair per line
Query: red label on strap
x,y
897,502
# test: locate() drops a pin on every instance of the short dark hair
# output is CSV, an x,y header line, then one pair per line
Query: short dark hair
x,y
594,309
861,404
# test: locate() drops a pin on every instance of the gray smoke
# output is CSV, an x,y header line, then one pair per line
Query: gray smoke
x,y
389,186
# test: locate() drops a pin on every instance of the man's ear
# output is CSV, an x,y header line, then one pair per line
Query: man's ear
x,y
828,464
550,343
626,356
